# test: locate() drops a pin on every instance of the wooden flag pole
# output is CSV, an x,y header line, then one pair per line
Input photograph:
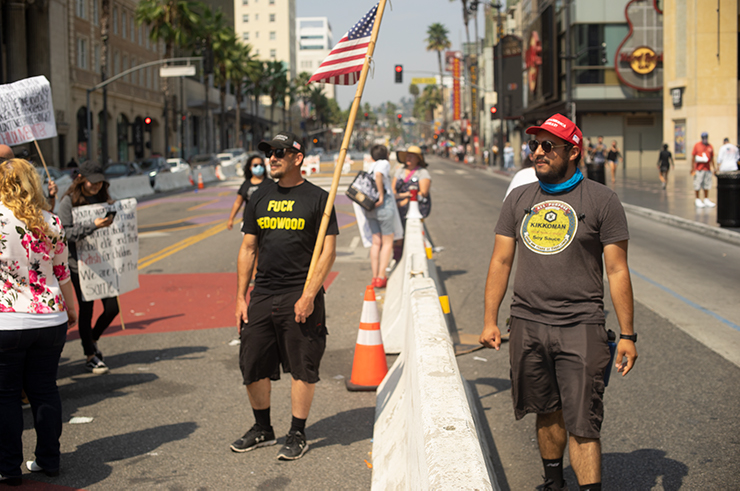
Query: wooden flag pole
x,y
42,159
345,145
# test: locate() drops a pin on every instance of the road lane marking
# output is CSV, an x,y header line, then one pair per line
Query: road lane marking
x,y
686,300
354,243
145,235
193,208
178,246
461,172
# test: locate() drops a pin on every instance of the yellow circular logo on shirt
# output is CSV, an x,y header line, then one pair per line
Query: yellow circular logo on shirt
x,y
549,228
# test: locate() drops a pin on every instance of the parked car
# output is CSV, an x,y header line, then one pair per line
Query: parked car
x,y
178,165
122,169
226,159
204,160
316,151
153,166
239,154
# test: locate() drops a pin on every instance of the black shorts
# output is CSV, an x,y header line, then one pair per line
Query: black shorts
x,y
272,337
560,367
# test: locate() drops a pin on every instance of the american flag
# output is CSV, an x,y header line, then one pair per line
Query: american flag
x,y
345,61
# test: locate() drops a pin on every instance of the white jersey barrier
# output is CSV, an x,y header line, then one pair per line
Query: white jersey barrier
x,y
425,434
130,187
169,181
208,173
224,172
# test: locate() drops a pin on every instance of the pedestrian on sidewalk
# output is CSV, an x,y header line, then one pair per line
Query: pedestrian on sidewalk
x,y
613,157
558,346
89,187
382,219
702,169
595,170
285,322
36,308
727,157
508,156
665,162
254,177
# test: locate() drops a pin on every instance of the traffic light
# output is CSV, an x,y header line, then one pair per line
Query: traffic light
x,y
366,116
399,116
399,74
148,124
493,113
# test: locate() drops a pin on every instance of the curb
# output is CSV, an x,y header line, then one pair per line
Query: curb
x,y
690,225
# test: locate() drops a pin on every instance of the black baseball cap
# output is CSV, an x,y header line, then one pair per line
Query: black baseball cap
x,y
284,139
92,171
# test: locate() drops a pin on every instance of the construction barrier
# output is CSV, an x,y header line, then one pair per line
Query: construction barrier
x,y
130,187
425,434
224,172
169,181
208,172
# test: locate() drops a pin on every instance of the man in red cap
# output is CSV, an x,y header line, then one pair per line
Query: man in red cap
x,y
559,348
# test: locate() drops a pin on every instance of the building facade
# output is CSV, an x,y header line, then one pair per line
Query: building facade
x,y
270,27
616,76
701,69
314,42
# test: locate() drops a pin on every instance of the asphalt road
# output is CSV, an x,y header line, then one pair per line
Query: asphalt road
x,y
672,422
164,416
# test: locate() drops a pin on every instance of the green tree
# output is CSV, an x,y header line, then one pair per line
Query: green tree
x,y
224,53
242,63
438,41
277,84
302,90
414,90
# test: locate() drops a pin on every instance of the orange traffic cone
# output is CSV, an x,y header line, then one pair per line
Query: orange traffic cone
x,y
190,178
369,366
200,181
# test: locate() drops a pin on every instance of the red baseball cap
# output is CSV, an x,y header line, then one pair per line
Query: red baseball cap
x,y
561,127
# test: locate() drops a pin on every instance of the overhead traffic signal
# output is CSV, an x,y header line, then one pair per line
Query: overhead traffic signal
x,y
366,116
148,124
399,74
399,116
493,112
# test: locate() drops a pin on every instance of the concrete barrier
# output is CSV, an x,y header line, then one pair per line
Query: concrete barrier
x,y
208,173
395,311
224,172
130,187
424,435
169,181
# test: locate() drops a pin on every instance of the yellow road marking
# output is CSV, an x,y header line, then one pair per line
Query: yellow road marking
x,y
180,220
444,301
178,246
193,208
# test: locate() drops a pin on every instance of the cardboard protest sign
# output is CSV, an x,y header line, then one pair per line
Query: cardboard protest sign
x,y
26,111
107,259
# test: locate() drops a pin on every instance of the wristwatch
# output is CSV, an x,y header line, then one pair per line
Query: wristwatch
x,y
631,337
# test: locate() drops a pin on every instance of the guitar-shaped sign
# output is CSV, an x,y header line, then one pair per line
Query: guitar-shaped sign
x,y
639,58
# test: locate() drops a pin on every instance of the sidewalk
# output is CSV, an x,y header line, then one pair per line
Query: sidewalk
x,y
640,187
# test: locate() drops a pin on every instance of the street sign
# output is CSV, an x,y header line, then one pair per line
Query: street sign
x,y
424,80
177,71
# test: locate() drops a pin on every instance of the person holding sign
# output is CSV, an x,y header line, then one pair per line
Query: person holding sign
x,y
88,188
36,308
285,323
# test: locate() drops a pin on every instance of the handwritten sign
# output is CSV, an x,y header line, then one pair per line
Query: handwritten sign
x,y
26,111
107,259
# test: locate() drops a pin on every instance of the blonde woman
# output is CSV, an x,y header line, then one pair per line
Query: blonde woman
x,y
36,307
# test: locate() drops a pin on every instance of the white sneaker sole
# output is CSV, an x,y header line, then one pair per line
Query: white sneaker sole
x,y
267,443
280,456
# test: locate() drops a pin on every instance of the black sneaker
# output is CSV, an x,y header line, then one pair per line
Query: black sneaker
x,y
295,446
96,366
256,437
549,485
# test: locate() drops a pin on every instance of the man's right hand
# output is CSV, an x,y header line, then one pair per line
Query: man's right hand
x,y
241,313
491,337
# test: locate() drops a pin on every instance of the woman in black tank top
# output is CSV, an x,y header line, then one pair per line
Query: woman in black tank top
x,y
612,159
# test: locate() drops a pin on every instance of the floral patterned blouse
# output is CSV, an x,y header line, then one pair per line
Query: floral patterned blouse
x,y
31,270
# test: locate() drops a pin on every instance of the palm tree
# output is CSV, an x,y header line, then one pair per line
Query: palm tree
x,y
277,76
302,90
438,41
223,42
170,21
242,60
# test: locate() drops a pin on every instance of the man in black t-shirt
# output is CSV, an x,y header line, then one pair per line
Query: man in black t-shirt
x,y
558,347
284,323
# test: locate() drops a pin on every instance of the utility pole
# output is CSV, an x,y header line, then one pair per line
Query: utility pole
x,y
500,83
569,106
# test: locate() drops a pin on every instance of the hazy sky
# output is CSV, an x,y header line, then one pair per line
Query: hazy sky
x,y
401,40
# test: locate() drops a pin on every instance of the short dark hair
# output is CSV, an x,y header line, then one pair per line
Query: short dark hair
x,y
569,148
379,152
665,146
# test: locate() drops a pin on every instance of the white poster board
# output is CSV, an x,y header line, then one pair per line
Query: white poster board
x,y
26,111
107,259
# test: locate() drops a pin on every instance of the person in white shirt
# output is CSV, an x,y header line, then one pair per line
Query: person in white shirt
x,y
728,157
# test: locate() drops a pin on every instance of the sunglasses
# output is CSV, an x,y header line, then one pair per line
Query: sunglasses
x,y
279,153
547,145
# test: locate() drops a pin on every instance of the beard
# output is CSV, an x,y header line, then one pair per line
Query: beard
x,y
554,175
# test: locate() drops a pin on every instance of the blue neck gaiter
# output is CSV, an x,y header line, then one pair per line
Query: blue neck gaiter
x,y
563,187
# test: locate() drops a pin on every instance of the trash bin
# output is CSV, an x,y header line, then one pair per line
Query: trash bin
x,y
728,199
595,172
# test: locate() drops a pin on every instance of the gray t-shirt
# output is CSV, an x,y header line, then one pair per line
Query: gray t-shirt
x,y
560,239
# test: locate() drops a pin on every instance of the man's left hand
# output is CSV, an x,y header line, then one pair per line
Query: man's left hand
x,y
303,308
626,348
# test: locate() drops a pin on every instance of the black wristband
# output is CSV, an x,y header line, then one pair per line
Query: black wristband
x,y
631,337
